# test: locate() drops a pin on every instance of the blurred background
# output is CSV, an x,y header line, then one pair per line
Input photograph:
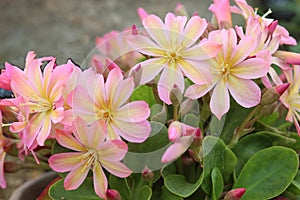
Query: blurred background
x,y
67,29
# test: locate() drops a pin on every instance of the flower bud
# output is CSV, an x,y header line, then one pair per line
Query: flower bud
x,y
113,195
181,10
288,57
137,74
147,174
235,194
272,26
273,94
174,131
176,95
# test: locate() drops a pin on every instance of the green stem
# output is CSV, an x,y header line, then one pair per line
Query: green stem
x,y
175,112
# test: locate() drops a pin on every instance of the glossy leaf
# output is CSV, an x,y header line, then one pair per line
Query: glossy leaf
x,y
178,185
145,93
216,154
217,183
145,192
268,173
167,195
121,185
85,191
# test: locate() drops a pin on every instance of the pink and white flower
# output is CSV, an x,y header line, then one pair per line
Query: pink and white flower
x,y
175,51
91,152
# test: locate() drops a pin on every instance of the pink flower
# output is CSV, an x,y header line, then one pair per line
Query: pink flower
x,y
42,93
99,101
174,52
91,152
291,98
221,9
232,71
182,136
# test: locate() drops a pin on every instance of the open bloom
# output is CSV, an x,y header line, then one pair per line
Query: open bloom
x,y
92,152
232,70
42,93
99,101
182,136
174,52
291,98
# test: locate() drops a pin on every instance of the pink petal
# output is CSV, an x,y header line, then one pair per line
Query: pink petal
x,y
177,149
83,105
100,181
45,129
63,162
114,150
21,85
76,177
156,29
193,30
57,115
151,68
133,112
113,80
237,88
32,130
35,74
68,141
80,131
229,40
17,126
221,9
175,23
170,76
2,178
133,132
196,91
202,51
96,133
116,168
197,72
242,50
123,92
251,68
144,45
220,101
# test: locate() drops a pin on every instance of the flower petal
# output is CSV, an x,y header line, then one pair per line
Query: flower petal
x,y
57,115
245,92
100,181
202,51
196,91
133,132
170,77
144,45
116,168
177,149
2,178
193,30
220,101
63,162
45,128
251,68
133,112
123,92
76,177
68,141
156,29
151,68
114,150
242,50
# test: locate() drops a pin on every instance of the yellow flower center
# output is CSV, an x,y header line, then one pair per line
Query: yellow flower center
x,y
105,115
223,71
40,105
91,158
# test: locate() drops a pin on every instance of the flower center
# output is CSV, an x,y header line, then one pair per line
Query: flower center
x,y
91,158
172,56
224,71
40,105
104,115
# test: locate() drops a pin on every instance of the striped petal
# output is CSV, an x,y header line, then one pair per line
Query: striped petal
x,y
133,112
251,68
242,50
116,168
193,30
156,29
144,45
114,150
76,177
2,178
196,91
237,88
63,162
151,68
123,92
68,141
202,51
220,101
100,181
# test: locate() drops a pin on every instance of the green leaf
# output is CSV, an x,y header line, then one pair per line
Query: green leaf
x,y
144,93
268,173
217,183
295,186
278,140
216,154
167,195
178,185
158,113
145,192
85,191
191,119
169,169
121,185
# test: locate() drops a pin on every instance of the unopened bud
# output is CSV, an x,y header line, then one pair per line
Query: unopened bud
x,y
137,74
174,131
272,26
197,137
273,94
176,95
235,194
147,174
288,57
181,10
113,195
134,30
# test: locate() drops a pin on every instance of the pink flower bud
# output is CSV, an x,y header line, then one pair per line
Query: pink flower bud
x,y
235,194
174,133
272,26
147,174
176,95
113,195
280,89
289,57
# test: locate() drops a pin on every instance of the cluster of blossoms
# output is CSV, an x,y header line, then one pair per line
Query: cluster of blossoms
x,y
182,59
